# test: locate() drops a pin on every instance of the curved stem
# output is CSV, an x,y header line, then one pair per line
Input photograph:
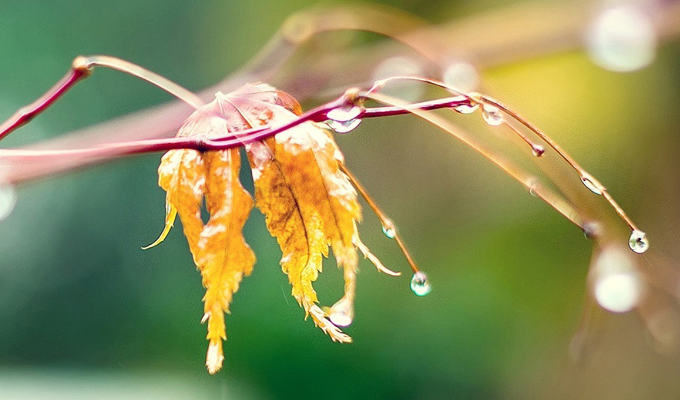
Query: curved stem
x,y
81,68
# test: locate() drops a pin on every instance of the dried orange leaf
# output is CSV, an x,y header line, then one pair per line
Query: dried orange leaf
x,y
309,204
223,255
218,248
308,201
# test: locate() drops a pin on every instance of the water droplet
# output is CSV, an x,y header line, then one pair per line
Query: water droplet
x,y
532,185
466,108
492,115
389,229
638,242
537,150
342,313
419,284
622,39
592,184
618,285
8,199
343,126
344,114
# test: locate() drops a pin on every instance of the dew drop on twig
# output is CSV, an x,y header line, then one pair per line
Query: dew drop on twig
x,y
343,126
344,119
344,114
389,229
592,184
532,184
537,150
8,199
466,108
638,241
492,115
420,285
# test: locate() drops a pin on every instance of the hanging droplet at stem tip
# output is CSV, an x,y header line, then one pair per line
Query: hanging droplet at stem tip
x,y
420,285
638,241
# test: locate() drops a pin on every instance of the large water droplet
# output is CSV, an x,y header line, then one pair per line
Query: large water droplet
x,y
344,114
343,126
466,108
492,115
419,284
342,313
389,229
622,39
8,199
638,242
592,184
618,285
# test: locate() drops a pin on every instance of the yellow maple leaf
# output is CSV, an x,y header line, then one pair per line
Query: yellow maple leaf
x,y
308,201
308,204
218,247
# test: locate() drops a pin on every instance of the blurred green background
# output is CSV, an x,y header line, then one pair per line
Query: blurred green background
x,y
84,313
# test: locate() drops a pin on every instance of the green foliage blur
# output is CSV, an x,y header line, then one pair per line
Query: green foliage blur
x,y
85,313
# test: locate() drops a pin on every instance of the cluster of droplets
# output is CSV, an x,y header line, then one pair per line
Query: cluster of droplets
x,y
638,239
344,119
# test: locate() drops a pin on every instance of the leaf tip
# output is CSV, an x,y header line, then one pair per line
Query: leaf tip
x,y
171,213
214,358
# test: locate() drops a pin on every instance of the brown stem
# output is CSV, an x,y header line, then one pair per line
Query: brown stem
x,y
27,113
81,68
90,155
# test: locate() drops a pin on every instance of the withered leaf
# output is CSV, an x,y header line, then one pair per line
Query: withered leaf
x,y
218,247
308,201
